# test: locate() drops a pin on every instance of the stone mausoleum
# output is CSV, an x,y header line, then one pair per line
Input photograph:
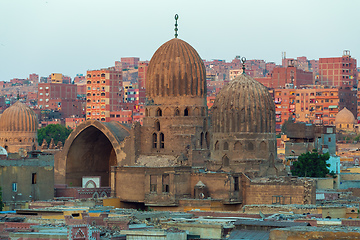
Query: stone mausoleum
x,y
181,158
26,174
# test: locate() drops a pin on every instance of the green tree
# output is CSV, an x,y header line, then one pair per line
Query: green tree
x,y
56,131
311,164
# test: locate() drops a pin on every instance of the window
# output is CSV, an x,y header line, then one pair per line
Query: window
x,y
33,178
216,145
158,112
14,187
165,183
186,112
154,145
153,183
226,146
162,144
236,184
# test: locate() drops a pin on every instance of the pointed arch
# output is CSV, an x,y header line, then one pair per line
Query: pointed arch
x,y
226,146
154,140
162,140
157,125
201,139
196,112
225,161
237,146
186,111
158,112
177,112
167,112
216,146
207,140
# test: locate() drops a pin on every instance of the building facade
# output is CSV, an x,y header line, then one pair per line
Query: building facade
x,y
103,94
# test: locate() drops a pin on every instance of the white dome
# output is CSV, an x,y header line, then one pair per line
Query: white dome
x,y
3,151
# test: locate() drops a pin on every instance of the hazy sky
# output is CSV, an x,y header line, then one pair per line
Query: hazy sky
x,y
72,36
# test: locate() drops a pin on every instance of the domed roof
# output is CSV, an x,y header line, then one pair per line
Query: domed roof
x,y
176,69
3,151
18,118
345,116
243,105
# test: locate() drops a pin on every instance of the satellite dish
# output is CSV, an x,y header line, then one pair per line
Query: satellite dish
x,y
22,152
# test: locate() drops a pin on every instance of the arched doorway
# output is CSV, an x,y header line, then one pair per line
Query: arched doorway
x,y
90,150
90,154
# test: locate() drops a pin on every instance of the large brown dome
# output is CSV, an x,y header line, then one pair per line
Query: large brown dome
x,y
176,69
243,105
345,116
18,118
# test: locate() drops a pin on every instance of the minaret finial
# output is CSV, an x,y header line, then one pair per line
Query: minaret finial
x,y
176,25
243,60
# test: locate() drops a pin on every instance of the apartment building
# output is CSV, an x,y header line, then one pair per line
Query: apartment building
x,y
313,104
338,71
103,94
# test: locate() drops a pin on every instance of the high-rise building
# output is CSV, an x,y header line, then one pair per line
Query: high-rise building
x,y
338,71
103,94
59,97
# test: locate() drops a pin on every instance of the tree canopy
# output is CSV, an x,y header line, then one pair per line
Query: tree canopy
x,y
311,164
56,131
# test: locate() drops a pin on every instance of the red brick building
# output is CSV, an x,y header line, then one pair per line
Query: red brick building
x,y
315,104
59,97
338,71
142,69
283,76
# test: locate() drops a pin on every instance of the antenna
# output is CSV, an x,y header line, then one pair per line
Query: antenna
x,y
176,25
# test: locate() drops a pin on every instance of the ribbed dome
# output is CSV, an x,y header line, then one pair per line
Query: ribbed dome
x,y
345,116
243,105
18,118
176,69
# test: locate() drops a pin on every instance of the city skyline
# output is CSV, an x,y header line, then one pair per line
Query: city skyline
x,y
74,36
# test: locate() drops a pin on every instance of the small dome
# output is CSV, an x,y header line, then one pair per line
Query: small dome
x,y
345,117
3,152
176,69
18,118
243,105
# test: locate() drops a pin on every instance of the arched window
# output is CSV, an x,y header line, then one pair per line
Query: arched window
x,y
201,139
146,112
186,112
196,112
217,145
226,161
154,142
207,140
250,146
162,138
226,146
262,146
157,125
177,112
237,146
158,112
